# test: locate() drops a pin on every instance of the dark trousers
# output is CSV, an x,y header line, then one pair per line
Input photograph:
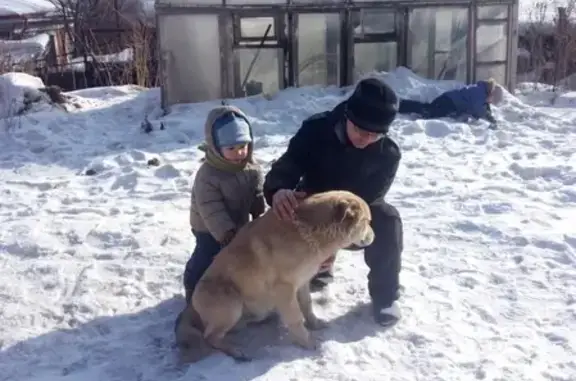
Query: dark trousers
x,y
440,107
206,249
383,257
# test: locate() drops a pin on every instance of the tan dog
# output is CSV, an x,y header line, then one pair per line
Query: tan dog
x,y
268,266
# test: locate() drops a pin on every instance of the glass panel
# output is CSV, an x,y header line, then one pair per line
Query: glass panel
x,y
491,12
264,76
373,21
491,42
438,43
496,71
191,46
248,2
318,49
378,56
188,2
256,26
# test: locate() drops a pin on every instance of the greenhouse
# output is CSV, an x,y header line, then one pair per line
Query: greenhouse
x,y
213,49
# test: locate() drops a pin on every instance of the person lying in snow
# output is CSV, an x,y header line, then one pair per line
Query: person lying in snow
x,y
470,101
227,189
348,148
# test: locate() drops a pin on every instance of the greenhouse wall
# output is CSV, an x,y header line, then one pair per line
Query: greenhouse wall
x,y
213,49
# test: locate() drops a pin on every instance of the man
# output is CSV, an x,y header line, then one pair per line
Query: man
x,y
348,149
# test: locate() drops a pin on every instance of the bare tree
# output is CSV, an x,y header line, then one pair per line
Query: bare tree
x,y
112,37
565,46
142,41
533,36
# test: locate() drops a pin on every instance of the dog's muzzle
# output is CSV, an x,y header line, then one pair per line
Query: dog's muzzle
x,y
367,241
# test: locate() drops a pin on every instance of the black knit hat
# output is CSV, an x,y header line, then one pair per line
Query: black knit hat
x,y
372,106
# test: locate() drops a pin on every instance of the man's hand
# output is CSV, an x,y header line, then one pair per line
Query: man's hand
x,y
284,202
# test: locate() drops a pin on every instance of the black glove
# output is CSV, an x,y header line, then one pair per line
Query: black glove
x,y
227,238
258,207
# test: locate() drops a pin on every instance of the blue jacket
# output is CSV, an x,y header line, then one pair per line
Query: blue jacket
x,y
471,100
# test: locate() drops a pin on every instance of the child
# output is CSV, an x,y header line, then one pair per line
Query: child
x,y
473,100
226,191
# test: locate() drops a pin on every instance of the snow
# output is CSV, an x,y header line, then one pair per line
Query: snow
x,y
91,263
23,7
15,90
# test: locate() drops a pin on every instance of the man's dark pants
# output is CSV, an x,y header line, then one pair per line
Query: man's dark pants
x,y
383,256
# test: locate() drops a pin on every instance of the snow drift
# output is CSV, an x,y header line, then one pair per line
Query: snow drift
x,y
91,261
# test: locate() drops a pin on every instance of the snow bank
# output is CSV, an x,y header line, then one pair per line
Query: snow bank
x,y
22,94
17,91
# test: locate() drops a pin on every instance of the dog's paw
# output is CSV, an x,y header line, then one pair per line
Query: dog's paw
x,y
306,343
312,344
237,354
316,324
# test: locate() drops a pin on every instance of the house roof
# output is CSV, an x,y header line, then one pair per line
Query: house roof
x,y
21,51
12,8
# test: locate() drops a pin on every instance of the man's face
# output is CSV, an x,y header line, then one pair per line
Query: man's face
x,y
361,138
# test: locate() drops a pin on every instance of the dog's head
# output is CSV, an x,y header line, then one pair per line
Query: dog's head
x,y
353,216
339,214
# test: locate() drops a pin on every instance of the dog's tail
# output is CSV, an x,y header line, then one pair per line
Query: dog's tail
x,y
188,330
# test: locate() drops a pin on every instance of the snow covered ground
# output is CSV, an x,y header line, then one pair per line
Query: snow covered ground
x,y
94,238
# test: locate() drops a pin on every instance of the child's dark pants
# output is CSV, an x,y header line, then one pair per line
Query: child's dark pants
x,y
206,249
440,107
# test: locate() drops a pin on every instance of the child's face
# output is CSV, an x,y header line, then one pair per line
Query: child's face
x,y
236,154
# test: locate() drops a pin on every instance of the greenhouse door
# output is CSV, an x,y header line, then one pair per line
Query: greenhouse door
x,y
316,48
377,41
259,53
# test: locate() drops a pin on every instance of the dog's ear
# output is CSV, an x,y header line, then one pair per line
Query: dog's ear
x,y
343,212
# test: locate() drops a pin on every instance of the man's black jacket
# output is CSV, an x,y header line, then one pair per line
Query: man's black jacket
x,y
320,158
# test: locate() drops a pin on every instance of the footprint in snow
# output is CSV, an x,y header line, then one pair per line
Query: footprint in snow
x,y
167,171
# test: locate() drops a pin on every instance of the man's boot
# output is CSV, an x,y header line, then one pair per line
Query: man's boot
x,y
324,276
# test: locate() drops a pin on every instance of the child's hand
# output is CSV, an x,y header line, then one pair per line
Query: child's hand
x,y
227,238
